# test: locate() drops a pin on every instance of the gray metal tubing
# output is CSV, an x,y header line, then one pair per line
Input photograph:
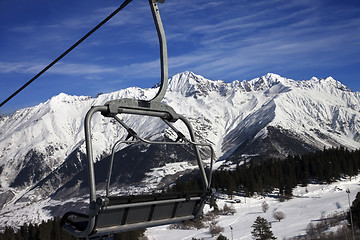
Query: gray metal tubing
x,y
89,150
162,115
91,173
200,163
155,142
130,142
141,204
172,127
112,162
90,165
206,182
134,226
151,142
163,51
212,153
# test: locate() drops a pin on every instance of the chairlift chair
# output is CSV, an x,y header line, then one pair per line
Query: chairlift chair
x,y
111,214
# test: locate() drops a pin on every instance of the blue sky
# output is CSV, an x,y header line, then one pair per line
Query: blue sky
x,y
219,39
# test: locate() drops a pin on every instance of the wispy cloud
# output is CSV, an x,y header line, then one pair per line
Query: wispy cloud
x,y
292,35
227,44
71,69
225,39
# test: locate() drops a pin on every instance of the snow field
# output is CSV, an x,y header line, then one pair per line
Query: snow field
x,y
305,207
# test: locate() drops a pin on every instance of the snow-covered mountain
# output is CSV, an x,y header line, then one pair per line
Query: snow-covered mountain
x,y
42,147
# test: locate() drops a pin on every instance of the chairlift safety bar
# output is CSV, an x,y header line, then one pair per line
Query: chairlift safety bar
x,y
182,140
159,211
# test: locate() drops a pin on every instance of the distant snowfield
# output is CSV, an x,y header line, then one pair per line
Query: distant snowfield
x,y
299,212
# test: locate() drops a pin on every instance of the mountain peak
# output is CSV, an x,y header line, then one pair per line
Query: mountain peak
x,y
264,82
185,79
191,84
334,83
328,83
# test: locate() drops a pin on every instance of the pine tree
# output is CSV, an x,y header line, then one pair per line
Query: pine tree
x,y
8,234
262,229
355,211
221,237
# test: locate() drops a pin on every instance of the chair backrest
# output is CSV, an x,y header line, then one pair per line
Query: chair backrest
x,y
129,213
126,213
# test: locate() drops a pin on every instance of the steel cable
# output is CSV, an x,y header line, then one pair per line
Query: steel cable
x,y
126,2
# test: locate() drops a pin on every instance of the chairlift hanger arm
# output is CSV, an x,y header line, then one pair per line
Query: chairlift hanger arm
x,y
163,49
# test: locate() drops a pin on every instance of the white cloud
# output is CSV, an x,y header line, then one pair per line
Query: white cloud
x,y
235,38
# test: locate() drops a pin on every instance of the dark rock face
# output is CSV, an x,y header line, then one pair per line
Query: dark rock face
x,y
73,164
279,143
6,197
33,171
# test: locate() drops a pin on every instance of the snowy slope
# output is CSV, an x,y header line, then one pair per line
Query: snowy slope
x,y
320,113
55,129
304,208
42,147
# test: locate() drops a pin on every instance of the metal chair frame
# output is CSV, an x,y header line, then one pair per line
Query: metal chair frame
x,y
110,214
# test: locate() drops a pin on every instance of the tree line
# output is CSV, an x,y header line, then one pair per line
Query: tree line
x,y
267,175
52,229
324,166
49,229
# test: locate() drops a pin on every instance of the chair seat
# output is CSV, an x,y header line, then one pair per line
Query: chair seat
x,y
125,213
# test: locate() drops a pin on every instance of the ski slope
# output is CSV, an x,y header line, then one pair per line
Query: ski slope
x,y
305,207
